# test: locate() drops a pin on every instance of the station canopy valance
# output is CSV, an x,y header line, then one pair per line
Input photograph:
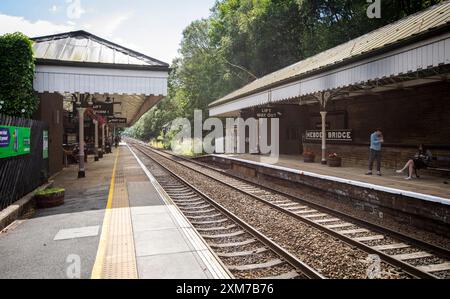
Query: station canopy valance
x,y
81,63
416,43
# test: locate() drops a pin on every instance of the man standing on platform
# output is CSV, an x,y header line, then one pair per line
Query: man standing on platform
x,y
376,139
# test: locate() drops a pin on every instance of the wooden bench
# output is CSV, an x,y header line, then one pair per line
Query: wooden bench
x,y
439,165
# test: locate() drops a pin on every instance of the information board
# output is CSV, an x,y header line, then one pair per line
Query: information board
x,y
45,145
14,141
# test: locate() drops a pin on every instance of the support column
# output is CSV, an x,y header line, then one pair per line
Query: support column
x,y
114,134
96,139
324,137
108,139
81,170
103,139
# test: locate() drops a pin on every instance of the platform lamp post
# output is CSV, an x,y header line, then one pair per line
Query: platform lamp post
x,y
82,102
324,137
95,139
323,98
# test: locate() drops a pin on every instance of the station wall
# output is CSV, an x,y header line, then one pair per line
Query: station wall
x,y
51,112
407,116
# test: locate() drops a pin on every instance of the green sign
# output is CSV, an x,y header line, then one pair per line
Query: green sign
x,y
45,145
14,141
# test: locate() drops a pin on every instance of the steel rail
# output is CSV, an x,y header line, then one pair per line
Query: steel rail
x,y
289,258
443,252
387,258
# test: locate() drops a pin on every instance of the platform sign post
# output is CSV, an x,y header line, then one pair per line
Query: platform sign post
x,y
14,141
117,120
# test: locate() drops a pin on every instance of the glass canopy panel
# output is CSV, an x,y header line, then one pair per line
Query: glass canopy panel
x,y
82,47
107,55
120,58
93,52
54,50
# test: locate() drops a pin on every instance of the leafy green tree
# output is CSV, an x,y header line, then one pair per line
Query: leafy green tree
x,y
17,97
244,40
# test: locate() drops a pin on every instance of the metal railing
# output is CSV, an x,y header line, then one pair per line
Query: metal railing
x,y
22,174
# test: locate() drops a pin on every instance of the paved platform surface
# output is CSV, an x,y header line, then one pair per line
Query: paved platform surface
x,y
425,184
115,223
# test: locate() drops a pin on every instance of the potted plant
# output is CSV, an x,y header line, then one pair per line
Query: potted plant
x,y
50,197
309,156
334,160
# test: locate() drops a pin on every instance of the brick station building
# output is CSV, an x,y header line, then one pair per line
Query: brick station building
x,y
396,78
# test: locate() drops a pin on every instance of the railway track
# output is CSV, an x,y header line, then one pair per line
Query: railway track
x,y
246,253
415,257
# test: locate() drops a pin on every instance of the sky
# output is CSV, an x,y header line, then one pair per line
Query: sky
x,y
152,27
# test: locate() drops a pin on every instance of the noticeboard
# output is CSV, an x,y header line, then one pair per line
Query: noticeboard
x,y
45,145
14,141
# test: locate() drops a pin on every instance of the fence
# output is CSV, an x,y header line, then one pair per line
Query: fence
x,y
22,174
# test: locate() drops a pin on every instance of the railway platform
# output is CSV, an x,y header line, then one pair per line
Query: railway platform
x,y
115,223
427,187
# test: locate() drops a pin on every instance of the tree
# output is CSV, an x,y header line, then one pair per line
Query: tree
x,y
244,40
17,97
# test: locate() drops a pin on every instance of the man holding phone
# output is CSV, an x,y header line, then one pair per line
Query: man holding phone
x,y
376,139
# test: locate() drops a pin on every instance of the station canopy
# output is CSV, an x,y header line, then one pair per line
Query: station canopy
x,y
414,50
81,63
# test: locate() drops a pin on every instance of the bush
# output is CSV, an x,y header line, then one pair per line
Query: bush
x,y
50,191
17,96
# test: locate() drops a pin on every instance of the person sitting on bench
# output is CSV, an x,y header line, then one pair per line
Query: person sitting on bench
x,y
421,160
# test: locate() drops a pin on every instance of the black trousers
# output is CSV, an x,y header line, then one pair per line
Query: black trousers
x,y
375,156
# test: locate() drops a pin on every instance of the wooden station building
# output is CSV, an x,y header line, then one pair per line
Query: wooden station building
x,y
395,78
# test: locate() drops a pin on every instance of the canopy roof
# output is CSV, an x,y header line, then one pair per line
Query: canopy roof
x,y
403,32
83,47
81,63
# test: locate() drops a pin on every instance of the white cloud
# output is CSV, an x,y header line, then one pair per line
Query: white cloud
x,y
74,9
9,24
106,26
53,9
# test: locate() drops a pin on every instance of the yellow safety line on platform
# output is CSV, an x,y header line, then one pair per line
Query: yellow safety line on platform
x,y
101,251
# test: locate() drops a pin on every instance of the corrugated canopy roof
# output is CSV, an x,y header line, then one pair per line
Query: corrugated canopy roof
x,y
414,25
84,47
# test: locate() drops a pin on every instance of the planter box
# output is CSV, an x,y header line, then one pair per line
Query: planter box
x,y
49,201
309,158
335,162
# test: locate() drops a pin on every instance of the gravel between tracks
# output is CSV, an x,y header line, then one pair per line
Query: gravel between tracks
x,y
330,201
332,257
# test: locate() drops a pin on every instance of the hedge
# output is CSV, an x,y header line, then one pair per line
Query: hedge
x,y
17,97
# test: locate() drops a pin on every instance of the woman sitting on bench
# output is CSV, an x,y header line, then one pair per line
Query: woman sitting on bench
x,y
420,161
